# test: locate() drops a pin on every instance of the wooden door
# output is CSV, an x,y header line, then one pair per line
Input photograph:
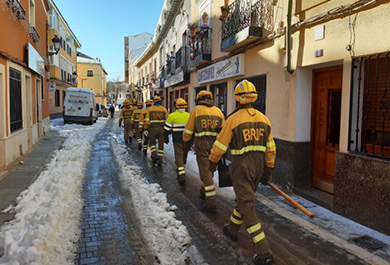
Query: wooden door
x,y
326,110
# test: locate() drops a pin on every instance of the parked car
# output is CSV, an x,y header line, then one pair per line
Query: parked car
x,y
79,106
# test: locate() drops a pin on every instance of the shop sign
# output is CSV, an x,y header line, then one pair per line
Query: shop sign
x,y
174,79
233,66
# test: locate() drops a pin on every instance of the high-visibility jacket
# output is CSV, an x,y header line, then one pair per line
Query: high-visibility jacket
x,y
126,113
205,120
155,117
175,124
245,133
135,116
142,119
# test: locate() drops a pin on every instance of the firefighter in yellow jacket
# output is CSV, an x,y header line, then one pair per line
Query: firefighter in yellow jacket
x,y
154,127
175,124
133,107
125,116
135,123
203,126
148,104
248,133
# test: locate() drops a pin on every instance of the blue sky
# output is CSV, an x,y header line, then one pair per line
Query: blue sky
x,y
101,25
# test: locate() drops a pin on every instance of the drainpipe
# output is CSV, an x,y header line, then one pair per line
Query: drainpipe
x,y
288,38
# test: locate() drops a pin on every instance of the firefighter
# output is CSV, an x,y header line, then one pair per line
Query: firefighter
x,y
175,124
133,107
135,123
253,150
126,117
203,126
148,104
154,127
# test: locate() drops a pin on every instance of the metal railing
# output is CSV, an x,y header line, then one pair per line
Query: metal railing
x,y
34,35
17,8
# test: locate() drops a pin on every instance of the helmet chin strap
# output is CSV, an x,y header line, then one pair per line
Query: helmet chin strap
x,y
247,107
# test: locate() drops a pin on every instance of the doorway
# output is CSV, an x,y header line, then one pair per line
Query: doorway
x,y
326,111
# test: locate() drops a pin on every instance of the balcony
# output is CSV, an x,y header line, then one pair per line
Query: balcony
x,y
200,51
242,25
181,60
34,35
17,9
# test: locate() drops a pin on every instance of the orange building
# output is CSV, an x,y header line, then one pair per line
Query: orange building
x,y
24,90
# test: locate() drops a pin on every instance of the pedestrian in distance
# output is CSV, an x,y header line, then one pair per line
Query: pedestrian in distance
x,y
175,125
125,116
202,128
135,123
112,111
154,127
248,133
144,133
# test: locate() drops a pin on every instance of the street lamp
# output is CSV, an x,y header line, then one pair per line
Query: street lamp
x,y
57,45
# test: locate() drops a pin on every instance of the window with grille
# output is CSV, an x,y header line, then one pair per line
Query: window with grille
x,y
15,97
260,82
370,105
90,73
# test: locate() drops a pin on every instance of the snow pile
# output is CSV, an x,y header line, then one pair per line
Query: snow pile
x,y
165,235
47,215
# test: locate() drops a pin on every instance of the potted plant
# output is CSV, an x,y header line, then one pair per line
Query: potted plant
x,y
192,27
225,11
205,17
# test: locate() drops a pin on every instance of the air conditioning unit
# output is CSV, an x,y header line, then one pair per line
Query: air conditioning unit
x,y
51,49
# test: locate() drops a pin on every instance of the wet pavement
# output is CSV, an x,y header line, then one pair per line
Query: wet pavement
x,y
109,229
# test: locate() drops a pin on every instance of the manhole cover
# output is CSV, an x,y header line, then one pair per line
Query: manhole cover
x,y
369,243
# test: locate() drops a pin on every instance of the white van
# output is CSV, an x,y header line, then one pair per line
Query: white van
x,y
79,106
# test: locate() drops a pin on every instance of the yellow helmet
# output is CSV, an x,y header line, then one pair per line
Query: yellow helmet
x,y
126,102
133,101
245,92
156,99
140,103
180,103
149,103
204,94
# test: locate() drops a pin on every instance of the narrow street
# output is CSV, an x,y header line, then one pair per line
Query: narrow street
x,y
112,233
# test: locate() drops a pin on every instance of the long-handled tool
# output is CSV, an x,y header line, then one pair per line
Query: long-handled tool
x,y
300,207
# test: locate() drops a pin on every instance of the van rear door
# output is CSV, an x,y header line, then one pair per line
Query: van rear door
x,y
78,104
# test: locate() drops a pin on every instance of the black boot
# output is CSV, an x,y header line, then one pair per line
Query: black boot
x,y
145,152
268,260
227,233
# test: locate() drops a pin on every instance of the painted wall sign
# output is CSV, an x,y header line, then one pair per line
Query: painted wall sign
x,y
233,66
174,79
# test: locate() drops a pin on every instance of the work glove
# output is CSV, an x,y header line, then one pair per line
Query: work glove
x,y
146,133
212,166
266,175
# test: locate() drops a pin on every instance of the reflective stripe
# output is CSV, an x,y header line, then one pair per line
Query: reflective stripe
x,y
160,154
161,151
234,220
206,134
254,228
157,121
247,149
210,193
177,129
153,148
188,131
211,187
237,213
180,168
139,141
270,144
259,237
221,146
141,122
146,119
181,172
167,128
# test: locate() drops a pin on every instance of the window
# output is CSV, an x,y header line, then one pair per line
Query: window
x,y
90,73
370,111
57,98
260,83
63,68
15,96
53,20
32,13
63,96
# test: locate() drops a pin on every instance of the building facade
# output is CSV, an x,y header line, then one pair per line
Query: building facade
x,y
24,66
91,74
63,65
321,72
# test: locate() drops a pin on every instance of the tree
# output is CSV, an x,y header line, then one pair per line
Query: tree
x,y
114,88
